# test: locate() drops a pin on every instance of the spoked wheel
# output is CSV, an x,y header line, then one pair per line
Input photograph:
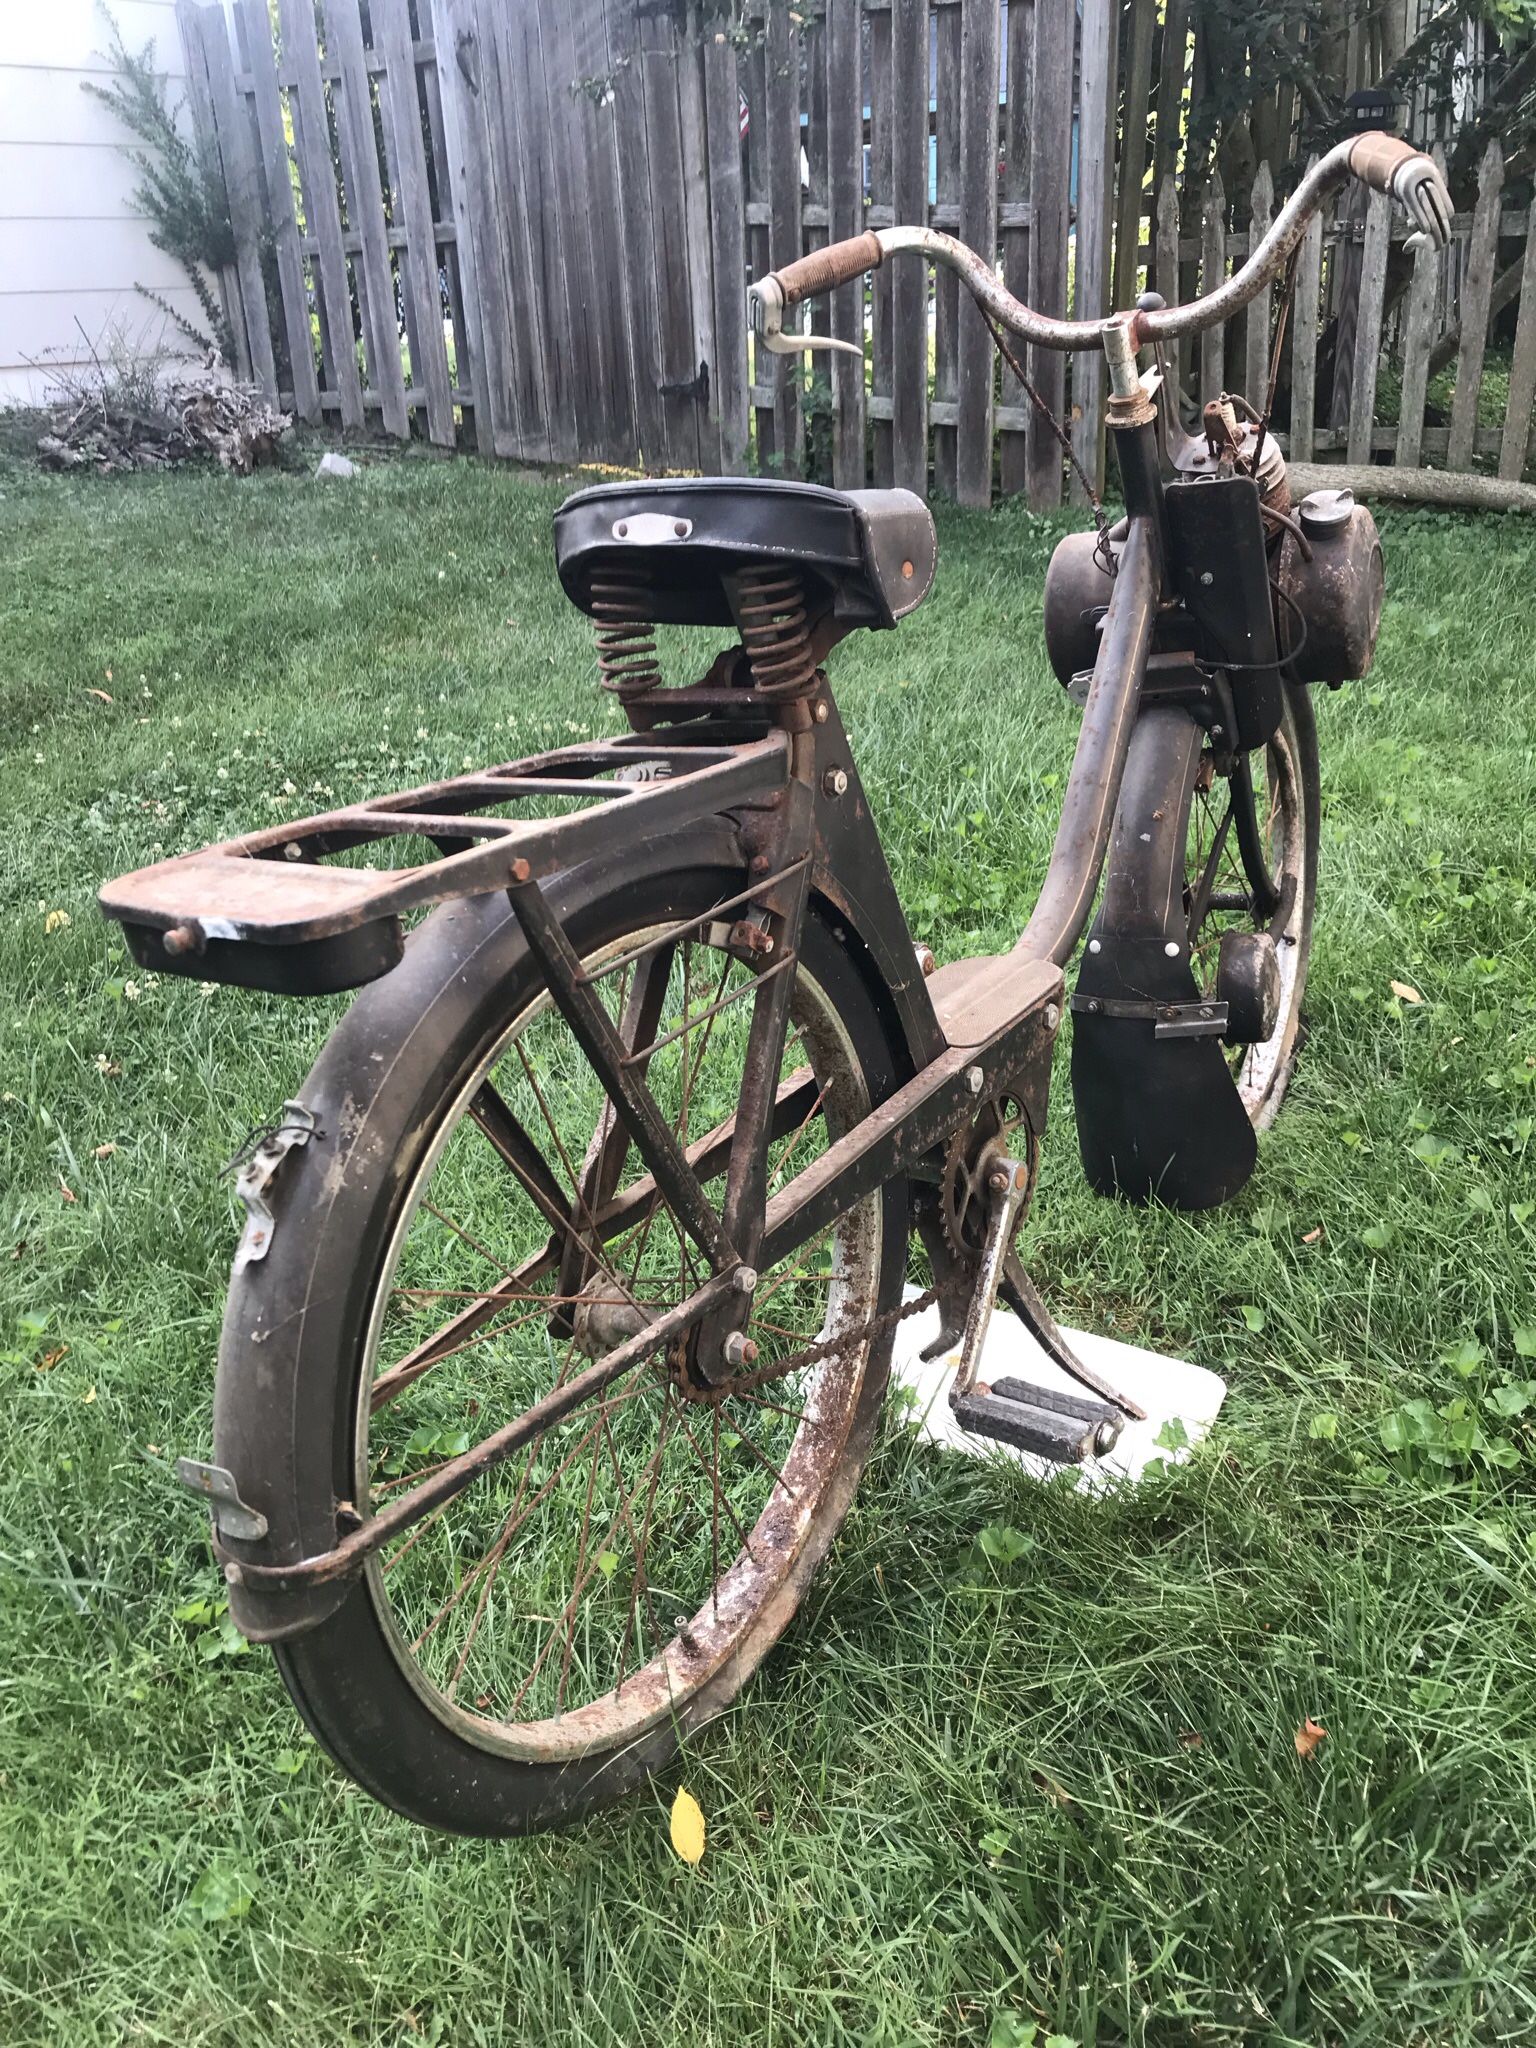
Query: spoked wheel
x,y
1251,872
544,1640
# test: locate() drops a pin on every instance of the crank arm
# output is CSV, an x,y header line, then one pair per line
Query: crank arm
x,y
1008,1181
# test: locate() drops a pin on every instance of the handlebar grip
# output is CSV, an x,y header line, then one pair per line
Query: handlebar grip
x,y
1377,158
1407,175
839,263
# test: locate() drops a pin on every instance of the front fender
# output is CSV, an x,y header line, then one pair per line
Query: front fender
x,y
1157,1119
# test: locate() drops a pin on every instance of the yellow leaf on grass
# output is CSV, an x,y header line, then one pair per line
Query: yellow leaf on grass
x,y
1310,1737
1405,992
687,1828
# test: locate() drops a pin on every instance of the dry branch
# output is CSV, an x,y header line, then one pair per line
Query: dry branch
x,y
1414,486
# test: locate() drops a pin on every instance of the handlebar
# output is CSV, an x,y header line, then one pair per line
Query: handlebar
x,y
1383,162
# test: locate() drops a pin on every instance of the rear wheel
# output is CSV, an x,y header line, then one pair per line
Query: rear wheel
x,y
544,1641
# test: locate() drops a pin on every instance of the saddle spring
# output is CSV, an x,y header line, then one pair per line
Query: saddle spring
x,y
770,606
626,632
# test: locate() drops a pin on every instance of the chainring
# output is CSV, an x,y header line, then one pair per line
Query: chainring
x,y
964,1202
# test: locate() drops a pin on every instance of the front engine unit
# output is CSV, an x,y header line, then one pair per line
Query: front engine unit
x,y
1327,611
1330,607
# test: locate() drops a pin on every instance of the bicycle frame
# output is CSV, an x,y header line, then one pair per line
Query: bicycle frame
x,y
264,910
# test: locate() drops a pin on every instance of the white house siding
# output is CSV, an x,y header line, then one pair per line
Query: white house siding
x,y
72,249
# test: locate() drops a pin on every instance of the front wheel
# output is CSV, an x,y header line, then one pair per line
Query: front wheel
x,y
1251,871
544,1641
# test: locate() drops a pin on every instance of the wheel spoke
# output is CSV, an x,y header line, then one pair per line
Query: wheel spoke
x,y
500,1594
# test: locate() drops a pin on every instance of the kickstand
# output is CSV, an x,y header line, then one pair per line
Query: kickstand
x,y
1021,1295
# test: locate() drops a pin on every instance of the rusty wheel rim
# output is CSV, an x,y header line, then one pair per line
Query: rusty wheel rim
x,y
589,1592
1258,1070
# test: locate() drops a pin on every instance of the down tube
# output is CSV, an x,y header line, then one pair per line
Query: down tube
x,y
1093,787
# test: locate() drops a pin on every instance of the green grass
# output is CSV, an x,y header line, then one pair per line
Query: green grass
x,y
960,1791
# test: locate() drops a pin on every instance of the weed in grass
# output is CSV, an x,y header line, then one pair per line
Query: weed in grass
x,y
1025,1766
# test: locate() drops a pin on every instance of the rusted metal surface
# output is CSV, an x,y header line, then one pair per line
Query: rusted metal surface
x,y
919,1117
1077,854
1333,582
594,1032
1410,177
271,887
354,1549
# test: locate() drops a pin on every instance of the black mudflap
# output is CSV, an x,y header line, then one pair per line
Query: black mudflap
x,y
1158,1117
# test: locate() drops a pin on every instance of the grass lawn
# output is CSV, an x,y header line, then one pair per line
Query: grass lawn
x,y
963,1796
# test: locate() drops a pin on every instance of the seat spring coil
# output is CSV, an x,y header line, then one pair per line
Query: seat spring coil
x,y
771,612
626,632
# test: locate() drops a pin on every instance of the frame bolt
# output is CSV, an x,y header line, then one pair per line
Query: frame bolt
x,y
1172,949
975,1080
183,938
834,782
233,1576
1052,1016
821,714
1206,577
739,1350
744,1279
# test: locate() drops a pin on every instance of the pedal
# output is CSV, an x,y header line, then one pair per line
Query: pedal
x,y
1064,1428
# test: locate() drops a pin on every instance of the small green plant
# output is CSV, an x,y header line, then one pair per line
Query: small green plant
x,y
181,186
220,1894
1488,1426
216,1635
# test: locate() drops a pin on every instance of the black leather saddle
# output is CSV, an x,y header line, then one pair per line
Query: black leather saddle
x,y
872,553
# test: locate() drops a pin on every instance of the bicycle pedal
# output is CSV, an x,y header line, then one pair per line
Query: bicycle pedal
x,y
1064,1428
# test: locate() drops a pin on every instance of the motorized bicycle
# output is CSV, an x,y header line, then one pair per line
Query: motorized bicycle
x,y
564,1305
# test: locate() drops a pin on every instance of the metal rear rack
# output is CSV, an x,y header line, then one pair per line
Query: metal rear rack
x,y
265,910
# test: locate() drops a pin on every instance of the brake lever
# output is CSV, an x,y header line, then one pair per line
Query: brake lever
x,y
765,310
1424,196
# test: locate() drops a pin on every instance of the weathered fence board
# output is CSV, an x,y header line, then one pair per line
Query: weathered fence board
x,y
1373,289
1304,313
322,214
1095,200
948,77
1519,435
413,209
1213,268
530,229
728,246
374,279
909,283
1132,170
255,25
1013,463
781,113
1418,333
245,208
1050,145
1257,349
1476,290
978,227
845,201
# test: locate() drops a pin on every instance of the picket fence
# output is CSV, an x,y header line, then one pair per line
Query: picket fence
x,y
527,228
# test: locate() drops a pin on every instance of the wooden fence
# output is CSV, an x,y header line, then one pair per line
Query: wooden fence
x,y
528,227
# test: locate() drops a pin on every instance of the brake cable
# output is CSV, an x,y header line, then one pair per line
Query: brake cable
x,y
1102,549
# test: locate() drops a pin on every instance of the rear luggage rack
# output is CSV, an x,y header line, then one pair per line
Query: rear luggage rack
x,y
264,911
